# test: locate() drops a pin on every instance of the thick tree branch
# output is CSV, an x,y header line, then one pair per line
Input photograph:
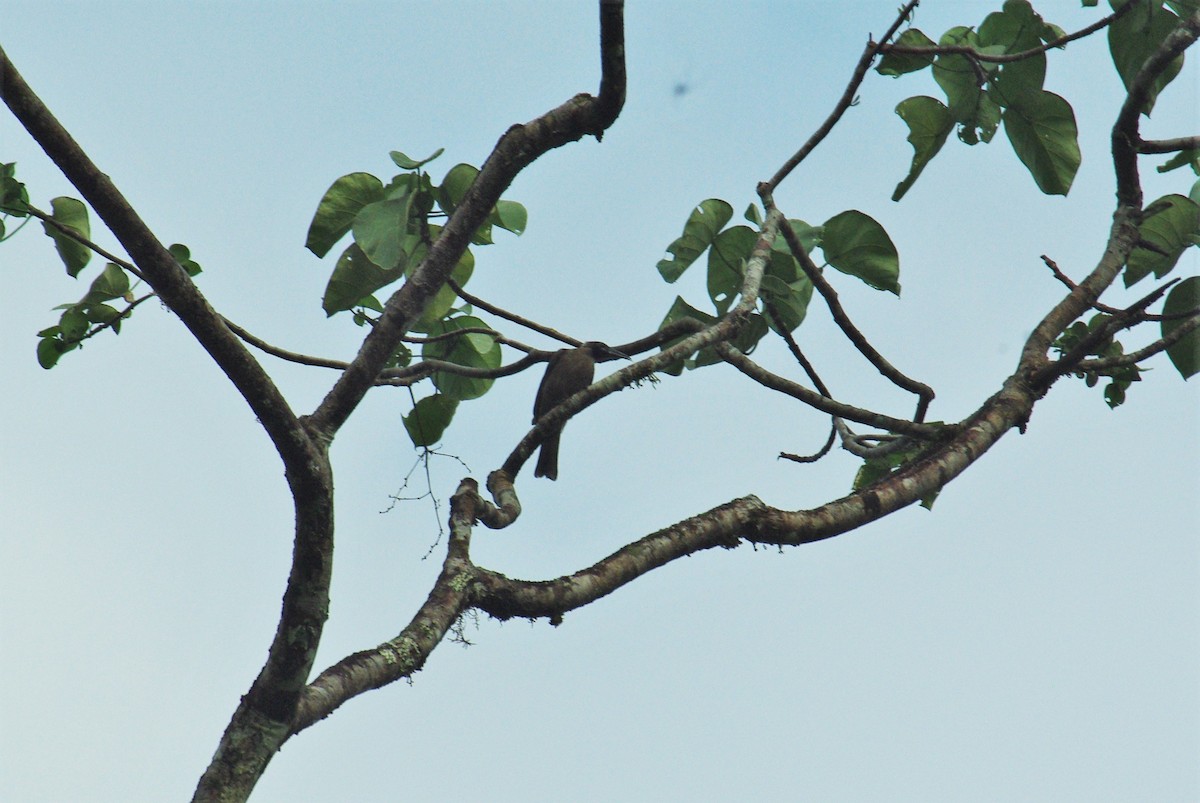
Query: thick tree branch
x,y
518,148
749,519
252,736
406,653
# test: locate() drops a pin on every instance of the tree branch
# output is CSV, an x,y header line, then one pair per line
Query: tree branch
x,y
1123,234
1134,357
923,392
518,148
1008,58
718,332
845,102
1169,145
902,426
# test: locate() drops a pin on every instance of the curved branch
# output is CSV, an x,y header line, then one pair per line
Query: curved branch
x,y
1125,136
405,654
513,317
749,519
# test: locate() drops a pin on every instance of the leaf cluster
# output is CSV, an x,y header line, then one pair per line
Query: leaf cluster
x,y
851,242
392,228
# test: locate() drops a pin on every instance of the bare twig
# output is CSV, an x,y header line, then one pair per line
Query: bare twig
x,y
500,312
1169,145
814,457
825,404
845,102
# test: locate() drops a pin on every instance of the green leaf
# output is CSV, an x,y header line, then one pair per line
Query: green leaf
x,y
753,215
1134,37
729,251
111,283
14,198
445,298
1041,128
101,314
896,64
929,123
857,245
788,299
336,212
809,237
1015,29
464,351
381,231
510,216
353,278
1184,354
73,324
972,108
702,226
184,257
1166,234
1188,158
405,163
49,349
455,185
681,309
73,214
429,419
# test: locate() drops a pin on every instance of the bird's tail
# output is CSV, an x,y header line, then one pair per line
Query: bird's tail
x,y
547,464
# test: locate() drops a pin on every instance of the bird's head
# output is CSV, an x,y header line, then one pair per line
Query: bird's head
x,y
602,352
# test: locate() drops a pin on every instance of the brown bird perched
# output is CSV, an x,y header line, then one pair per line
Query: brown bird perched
x,y
569,371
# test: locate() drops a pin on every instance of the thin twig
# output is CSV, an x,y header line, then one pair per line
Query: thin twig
x,y
476,301
1134,357
845,102
812,458
825,404
1169,145
1005,58
923,392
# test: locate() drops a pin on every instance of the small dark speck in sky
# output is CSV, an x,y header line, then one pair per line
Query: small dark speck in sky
x,y
681,88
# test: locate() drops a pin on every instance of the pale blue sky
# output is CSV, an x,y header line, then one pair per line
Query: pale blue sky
x,y
1035,637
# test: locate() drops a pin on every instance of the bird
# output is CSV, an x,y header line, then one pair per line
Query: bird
x,y
569,371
